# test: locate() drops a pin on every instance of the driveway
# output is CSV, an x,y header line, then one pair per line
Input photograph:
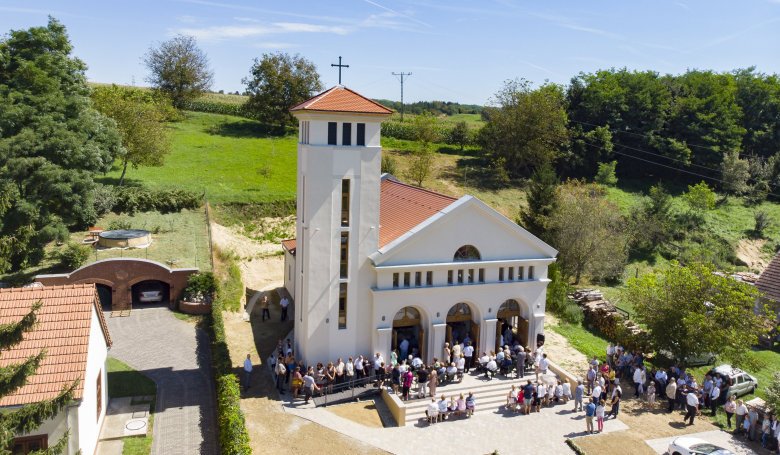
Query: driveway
x,y
177,357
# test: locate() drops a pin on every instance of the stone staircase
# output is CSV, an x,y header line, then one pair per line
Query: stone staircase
x,y
489,394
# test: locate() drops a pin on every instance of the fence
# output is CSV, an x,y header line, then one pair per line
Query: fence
x,y
348,391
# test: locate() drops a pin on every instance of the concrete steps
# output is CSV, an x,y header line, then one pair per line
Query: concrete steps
x,y
490,395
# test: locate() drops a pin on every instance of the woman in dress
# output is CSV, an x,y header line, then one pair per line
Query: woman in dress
x,y
330,376
447,354
297,382
433,381
730,407
393,358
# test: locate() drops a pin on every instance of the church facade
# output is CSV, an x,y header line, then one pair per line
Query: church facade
x,y
379,265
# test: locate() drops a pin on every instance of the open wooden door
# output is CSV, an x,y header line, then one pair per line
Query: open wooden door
x,y
523,332
422,344
475,342
449,336
499,327
395,340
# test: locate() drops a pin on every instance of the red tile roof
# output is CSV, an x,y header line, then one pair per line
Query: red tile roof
x,y
769,281
63,325
402,207
342,99
289,245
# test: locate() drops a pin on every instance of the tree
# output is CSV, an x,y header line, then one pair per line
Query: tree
x,y
179,68
652,224
29,417
140,118
542,198
690,310
420,165
51,143
700,198
426,130
460,134
388,165
277,82
606,174
589,233
525,127
772,393
734,173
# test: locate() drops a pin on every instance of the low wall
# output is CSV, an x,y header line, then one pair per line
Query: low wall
x,y
194,308
564,375
397,407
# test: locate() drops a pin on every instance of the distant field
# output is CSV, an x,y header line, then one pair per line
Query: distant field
x,y
228,156
224,98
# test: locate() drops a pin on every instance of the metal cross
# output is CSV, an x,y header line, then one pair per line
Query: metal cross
x,y
340,66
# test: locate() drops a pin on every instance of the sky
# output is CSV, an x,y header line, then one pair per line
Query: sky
x,y
456,50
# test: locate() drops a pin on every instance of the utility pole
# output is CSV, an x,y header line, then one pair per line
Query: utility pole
x,y
402,74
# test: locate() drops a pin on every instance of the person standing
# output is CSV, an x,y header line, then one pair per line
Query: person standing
x,y
447,353
309,385
611,355
359,372
579,394
433,380
671,394
714,398
544,364
521,355
422,380
590,411
766,431
638,381
600,415
691,404
280,371
528,397
730,407
591,377
617,394
468,353
457,350
753,417
741,414
284,303
403,346
247,371
264,307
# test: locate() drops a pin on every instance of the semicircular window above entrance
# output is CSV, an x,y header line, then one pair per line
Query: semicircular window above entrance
x,y
467,253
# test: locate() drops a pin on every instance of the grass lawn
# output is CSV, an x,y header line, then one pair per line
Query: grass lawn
x,y
181,237
232,158
124,381
583,340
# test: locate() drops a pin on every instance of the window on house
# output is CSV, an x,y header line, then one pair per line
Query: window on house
x,y
343,265
429,278
449,276
511,273
500,274
481,275
407,277
342,305
346,134
23,446
345,183
99,391
395,280
332,133
418,278
361,134
531,272
520,273
471,275
467,253
460,276
305,128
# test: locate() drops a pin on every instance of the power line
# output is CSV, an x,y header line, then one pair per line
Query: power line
x,y
402,74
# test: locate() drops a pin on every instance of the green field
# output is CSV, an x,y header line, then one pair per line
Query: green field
x,y
232,158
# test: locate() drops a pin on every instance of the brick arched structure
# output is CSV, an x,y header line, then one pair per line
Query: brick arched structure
x,y
120,274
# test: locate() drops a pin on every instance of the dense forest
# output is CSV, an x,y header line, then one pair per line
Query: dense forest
x,y
434,107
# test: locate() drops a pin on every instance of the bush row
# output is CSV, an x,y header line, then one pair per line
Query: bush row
x,y
233,437
136,199
406,131
212,107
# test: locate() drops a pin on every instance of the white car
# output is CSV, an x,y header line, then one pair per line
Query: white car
x,y
685,445
150,296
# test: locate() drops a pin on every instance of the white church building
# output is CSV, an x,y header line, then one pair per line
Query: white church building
x,y
377,261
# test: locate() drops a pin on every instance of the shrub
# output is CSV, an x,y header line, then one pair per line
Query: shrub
x,y
105,199
389,165
211,107
762,223
74,255
606,174
119,223
571,312
136,199
200,287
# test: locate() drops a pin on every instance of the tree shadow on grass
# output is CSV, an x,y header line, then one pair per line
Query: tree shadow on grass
x,y
114,181
248,129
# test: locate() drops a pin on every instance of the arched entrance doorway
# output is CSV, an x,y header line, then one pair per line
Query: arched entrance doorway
x,y
106,296
461,326
150,292
408,333
511,325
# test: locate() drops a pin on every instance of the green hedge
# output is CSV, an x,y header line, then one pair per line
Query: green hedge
x,y
212,107
233,437
134,199
406,131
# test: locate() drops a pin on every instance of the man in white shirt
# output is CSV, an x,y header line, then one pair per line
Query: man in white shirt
x,y
284,303
596,395
544,364
433,411
248,370
714,399
468,353
611,354
490,368
378,361
638,381
692,403
359,367
742,411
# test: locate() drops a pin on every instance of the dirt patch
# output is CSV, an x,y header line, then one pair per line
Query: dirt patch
x,y
364,413
749,252
560,351
261,264
271,430
644,424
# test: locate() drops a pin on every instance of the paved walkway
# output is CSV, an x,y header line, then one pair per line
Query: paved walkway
x,y
177,357
487,430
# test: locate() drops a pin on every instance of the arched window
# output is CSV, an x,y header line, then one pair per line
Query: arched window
x,y
467,253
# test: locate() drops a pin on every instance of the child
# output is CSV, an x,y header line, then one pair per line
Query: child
x,y
470,404
520,400
600,415
511,399
651,394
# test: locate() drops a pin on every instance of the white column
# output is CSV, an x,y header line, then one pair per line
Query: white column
x,y
383,340
536,327
439,334
487,334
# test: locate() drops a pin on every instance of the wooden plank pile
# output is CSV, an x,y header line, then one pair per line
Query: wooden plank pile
x,y
601,314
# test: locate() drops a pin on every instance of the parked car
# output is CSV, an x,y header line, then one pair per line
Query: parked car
x,y
693,360
150,293
741,383
685,445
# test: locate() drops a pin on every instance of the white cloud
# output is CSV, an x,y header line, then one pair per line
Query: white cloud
x,y
270,45
296,27
186,19
219,33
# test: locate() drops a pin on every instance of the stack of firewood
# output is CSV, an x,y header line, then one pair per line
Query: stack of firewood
x,y
601,315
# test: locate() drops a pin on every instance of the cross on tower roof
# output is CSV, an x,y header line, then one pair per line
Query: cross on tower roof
x,y
340,66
